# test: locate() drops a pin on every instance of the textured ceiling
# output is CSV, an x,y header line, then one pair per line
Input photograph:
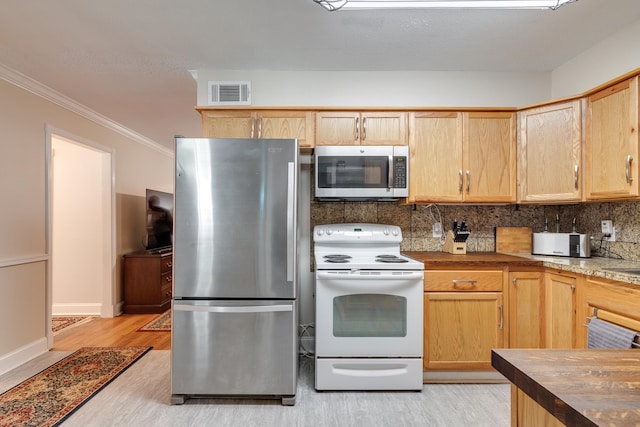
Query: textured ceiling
x,y
129,60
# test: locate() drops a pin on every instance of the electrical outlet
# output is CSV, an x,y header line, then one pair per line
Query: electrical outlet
x,y
437,229
608,230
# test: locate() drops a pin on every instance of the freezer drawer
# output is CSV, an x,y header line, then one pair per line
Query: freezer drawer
x,y
234,348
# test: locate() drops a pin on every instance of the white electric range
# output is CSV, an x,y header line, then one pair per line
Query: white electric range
x,y
369,309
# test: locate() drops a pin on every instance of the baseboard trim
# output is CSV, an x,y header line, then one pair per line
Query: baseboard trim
x,y
22,355
82,309
478,377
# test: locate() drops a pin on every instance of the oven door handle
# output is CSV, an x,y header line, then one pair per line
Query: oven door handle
x,y
366,275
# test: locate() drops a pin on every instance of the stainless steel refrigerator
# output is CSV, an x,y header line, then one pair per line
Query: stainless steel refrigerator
x,y
235,314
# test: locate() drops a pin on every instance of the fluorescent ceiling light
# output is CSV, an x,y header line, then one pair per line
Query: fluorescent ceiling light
x,y
441,4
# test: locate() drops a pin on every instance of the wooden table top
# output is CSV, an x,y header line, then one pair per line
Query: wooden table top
x,y
584,387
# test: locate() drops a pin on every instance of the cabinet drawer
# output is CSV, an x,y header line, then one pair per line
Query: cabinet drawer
x,y
166,280
462,280
165,292
165,264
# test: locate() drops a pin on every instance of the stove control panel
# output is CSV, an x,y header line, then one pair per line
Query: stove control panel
x,y
357,233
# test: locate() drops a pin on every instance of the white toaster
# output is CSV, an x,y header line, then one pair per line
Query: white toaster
x,y
562,244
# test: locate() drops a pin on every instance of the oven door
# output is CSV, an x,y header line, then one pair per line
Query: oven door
x,y
369,313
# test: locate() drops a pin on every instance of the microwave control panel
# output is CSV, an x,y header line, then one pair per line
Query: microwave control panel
x,y
399,172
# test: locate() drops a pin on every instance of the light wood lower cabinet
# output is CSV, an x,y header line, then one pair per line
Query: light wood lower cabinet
x,y
526,412
463,320
560,308
615,302
526,309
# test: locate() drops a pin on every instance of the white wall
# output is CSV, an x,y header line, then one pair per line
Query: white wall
x,y
23,245
381,88
611,58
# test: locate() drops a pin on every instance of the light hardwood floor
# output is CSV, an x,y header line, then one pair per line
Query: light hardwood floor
x,y
112,332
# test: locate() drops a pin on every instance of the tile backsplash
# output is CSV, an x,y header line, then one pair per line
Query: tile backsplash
x,y
417,221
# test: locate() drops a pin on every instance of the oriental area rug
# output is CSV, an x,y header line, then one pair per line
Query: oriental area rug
x,y
49,397
60,323
161,323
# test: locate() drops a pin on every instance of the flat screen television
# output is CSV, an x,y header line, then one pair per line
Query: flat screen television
x,y
159,209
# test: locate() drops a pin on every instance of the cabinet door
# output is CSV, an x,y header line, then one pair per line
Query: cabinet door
x,y
612,142
526,310
549,153
435,146
383,128
287,124
461,328
354,128
489,154
617,302
560,302
228,124
337,128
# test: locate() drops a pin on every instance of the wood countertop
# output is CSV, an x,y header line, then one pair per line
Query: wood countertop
x,y
471,259
578,387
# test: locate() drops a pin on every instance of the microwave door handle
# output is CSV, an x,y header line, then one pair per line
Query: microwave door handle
x,y
390,177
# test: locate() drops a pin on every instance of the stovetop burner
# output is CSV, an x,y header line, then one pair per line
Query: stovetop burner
x,y
392,259
337,258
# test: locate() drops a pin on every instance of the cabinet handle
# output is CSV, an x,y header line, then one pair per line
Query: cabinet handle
x,y
468,180
628,169
260,127
459,284
253,126
168,265
573,288
460,182
364,128
501,308
168,278
515,282
575,172
357,128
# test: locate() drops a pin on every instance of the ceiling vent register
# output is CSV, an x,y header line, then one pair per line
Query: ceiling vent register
x,y
229,93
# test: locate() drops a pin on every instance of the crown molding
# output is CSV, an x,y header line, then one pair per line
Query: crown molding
x,y
27,83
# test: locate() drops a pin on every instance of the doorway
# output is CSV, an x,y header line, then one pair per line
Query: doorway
x,y
80,227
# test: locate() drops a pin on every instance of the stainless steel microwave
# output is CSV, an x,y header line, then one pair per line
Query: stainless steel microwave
x,y
360,172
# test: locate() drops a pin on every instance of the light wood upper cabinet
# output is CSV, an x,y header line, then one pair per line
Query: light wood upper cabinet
x,y
550,153
356,128
526,309
612,142
260,124
227,124
462,157
489,157
435,157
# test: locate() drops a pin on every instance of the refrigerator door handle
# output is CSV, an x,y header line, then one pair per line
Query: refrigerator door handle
x,y
291,191
233,309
